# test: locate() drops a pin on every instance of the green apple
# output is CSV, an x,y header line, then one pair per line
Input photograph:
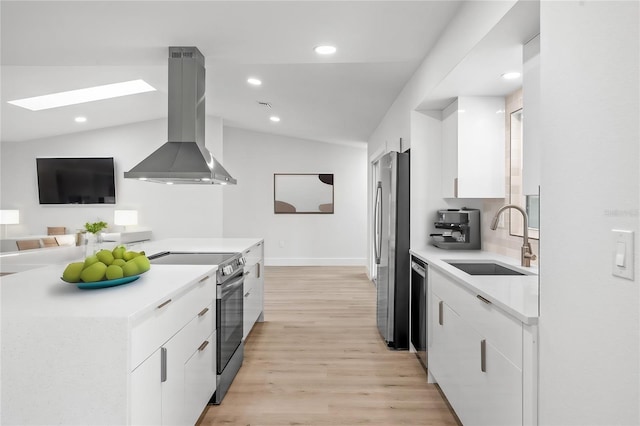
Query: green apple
x,y
114,272
94,272
90,260
105,256
72,272
118,252
143,263
130,268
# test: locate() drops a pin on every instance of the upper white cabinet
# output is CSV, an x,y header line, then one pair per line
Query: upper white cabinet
x,y
473,148
531,117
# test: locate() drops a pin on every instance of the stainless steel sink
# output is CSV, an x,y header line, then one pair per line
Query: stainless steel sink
x,y
484,268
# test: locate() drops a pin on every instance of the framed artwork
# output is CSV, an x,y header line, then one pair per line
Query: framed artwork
x,y
306,193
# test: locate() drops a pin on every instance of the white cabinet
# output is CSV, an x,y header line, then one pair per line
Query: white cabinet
x,y
476,356
473,148
146,392
253,287
531,118
173,384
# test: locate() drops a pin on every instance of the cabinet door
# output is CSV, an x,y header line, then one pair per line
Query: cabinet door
x,y
177,353
482,386
200,379
146,396
458,362
450,151
481,147
498,397
252,298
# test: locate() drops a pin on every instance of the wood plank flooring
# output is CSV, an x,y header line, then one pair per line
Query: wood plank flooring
x,y
318,360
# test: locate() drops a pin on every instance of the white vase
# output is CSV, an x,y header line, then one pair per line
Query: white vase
x,y
92,245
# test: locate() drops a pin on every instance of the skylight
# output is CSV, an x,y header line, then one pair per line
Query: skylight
x,y
72,97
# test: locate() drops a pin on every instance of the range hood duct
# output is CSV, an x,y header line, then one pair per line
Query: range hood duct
x,y
185,158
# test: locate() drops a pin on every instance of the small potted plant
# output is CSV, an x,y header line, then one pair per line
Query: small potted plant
x,y
95,229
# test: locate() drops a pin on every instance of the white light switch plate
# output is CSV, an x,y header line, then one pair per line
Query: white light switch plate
x,y
623,254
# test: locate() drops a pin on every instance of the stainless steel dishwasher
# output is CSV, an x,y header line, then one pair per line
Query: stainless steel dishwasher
x,y
419,309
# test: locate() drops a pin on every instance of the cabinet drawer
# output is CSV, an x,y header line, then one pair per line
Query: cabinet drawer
x,y
155,328
254,254
503,331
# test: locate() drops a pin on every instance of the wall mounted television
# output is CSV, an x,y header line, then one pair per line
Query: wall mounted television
x,y
76,180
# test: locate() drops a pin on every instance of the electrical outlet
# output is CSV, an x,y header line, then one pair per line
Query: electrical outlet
x,y
501,220
281,243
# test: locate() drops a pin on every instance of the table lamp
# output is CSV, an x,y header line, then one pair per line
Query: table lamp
x,y
9,217
125,218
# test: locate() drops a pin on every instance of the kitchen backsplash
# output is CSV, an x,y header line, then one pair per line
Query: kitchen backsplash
x,y
500,241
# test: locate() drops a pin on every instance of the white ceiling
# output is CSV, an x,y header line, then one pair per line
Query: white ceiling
x,y
52,46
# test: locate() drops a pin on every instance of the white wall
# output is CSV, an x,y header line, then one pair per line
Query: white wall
x,y
296,239
170,211
589,320
468,27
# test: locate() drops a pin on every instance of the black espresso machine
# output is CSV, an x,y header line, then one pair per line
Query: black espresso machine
x,y
457,229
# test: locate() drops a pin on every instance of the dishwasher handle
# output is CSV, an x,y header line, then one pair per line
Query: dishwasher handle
x,y
419,269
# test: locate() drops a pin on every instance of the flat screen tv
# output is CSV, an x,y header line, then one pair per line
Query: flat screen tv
x,y
76,181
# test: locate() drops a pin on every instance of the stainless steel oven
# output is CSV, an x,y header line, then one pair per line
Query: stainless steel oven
x,y
230,312
229,309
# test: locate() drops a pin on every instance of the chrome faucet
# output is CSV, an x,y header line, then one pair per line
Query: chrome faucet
x,y
526,255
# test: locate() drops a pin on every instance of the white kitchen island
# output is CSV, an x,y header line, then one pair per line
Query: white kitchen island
x,y
72,356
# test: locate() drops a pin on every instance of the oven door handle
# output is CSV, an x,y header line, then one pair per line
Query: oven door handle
x,y
232,286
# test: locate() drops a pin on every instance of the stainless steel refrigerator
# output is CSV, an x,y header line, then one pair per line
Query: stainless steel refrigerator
x,y
391,249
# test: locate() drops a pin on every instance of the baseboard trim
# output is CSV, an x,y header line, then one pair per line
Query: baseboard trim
x,y
280,261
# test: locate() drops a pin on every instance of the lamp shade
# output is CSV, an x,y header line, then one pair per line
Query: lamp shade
x,y
125,217
9,217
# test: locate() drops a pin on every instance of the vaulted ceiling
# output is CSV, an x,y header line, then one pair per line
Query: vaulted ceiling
x,y
52,46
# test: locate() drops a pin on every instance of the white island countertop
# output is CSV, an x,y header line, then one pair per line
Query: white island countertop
x,y
67,353
40,292
517,295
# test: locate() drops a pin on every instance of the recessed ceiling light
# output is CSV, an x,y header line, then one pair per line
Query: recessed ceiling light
x,y
80,119
169,183
254,81
325,50
511,75
142,179
274,118
72,97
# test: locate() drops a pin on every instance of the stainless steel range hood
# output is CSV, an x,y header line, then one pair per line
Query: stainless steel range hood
x,y
184,159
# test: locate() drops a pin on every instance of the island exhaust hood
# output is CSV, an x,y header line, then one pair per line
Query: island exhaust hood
x,y
185,158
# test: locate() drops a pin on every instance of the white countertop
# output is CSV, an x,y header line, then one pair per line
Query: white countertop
x,y
220,245
40,292
516,295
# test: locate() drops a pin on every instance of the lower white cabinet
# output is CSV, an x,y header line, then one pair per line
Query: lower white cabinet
x,y
173,385
253,288
199,379
476,356
146,392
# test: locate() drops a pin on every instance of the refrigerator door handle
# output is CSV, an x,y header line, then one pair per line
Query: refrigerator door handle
x,y
378,223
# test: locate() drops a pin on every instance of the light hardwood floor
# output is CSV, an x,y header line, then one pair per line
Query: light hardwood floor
x,y
318,360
